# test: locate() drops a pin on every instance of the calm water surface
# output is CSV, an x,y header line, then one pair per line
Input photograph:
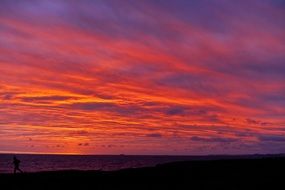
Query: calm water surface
x,y
35,163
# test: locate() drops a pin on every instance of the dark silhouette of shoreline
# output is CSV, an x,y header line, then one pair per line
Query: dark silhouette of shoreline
x,y
258,173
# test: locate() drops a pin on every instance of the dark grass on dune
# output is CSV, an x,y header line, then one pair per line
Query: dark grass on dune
x,y
266,173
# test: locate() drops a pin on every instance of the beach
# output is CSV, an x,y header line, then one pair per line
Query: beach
x,y
255,173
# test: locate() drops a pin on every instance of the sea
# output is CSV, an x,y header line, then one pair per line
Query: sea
x,y
39,163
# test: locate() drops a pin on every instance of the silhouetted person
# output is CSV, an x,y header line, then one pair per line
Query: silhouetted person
x,y
16,163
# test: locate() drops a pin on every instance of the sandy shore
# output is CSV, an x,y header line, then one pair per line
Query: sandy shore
x,y
266,173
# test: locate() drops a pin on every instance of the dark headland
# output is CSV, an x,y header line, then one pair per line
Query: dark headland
x,y
254,173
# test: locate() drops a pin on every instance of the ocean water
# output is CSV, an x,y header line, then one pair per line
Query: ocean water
x,y
36,163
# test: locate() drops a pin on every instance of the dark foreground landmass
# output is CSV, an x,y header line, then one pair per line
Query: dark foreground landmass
x,y
260,173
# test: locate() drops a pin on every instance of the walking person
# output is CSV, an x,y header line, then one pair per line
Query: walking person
x,y
16,163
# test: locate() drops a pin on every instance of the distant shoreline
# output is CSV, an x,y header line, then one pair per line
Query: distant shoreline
x,y
153,155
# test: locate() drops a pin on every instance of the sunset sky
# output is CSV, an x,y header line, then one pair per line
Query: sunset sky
x,y
142,77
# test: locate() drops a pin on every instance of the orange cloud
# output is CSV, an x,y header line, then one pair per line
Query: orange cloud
x,y
153,83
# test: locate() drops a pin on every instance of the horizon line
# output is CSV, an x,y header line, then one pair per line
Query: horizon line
x,y
78,154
